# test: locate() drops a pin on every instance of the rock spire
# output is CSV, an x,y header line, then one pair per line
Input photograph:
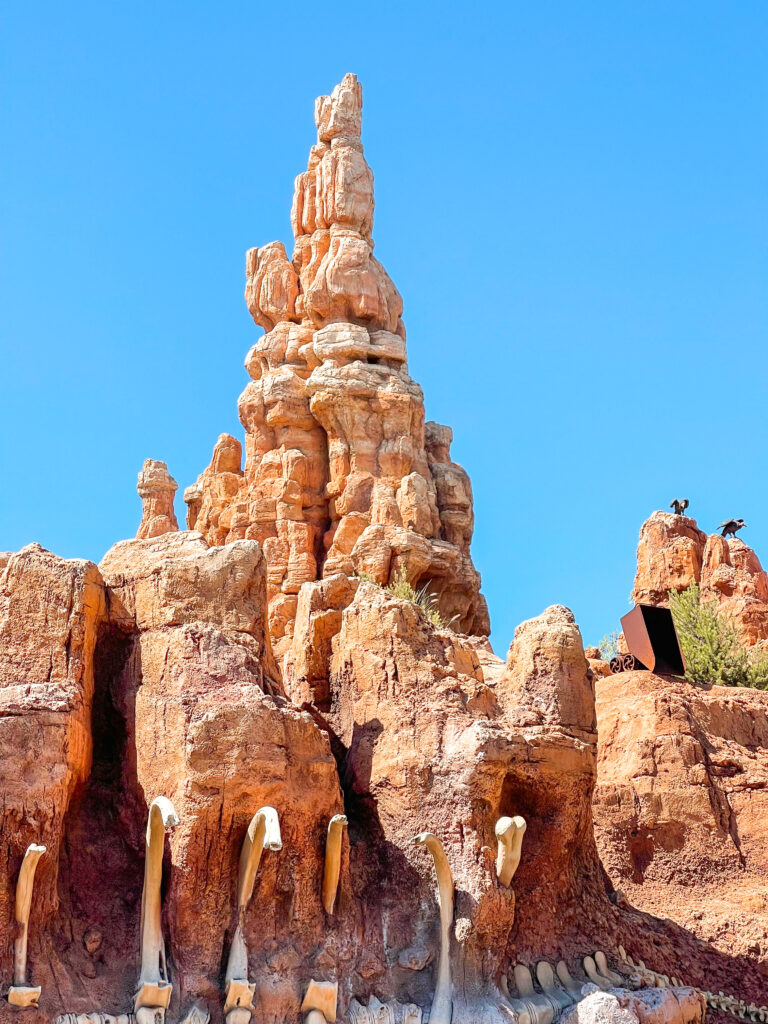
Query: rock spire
x,y
341,473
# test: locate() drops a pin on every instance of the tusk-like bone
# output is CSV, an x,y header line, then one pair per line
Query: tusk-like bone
x,y
442,1003
263,833
332,867
509,833
154,988
20,994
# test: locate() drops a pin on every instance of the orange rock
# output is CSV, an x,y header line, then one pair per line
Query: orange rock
x,y
340,474
681,806
156,489
669,557
673,553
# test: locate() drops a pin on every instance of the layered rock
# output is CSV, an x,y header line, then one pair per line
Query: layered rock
x,y
673,553
340,475
680,806
156,489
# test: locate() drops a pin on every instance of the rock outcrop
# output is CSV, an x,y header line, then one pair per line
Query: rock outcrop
x,y
673,553
341,474
681,806
156,489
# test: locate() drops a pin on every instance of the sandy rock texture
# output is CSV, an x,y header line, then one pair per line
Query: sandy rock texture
x,y
681,813
673,552
341,473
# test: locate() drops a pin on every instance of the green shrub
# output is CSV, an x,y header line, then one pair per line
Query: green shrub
x,y
400,587
711,645
609,645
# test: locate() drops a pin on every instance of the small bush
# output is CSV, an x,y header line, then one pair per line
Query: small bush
x,y
400,587
711,646
609,645
405,591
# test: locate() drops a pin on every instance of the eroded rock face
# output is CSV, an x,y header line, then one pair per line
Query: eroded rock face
x,y
341,475
50,612
681,805
673,553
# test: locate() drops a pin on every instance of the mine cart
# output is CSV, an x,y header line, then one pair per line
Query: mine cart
x,y
652,642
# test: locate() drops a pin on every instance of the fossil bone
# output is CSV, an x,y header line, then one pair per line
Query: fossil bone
x,y
95,1018
601,962
332,861
154,988
321,997
442,1007
591,971
263,833
570,984
509,833
546,979
523,1011
21,994
541,1009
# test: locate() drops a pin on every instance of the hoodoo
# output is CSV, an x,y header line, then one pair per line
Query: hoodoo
x,y
341,474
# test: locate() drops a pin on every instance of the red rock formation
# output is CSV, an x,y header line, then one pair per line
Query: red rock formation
x,y
156,489
340,475
681,806
672,553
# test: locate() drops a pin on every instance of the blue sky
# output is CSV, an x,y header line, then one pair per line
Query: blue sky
x,y
571,198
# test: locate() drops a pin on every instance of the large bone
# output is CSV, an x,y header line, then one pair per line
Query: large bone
x,y
263,833
546,979
541,1008
332,861
320,1002
591,971
442,1003
570,984
154,988
509,832
601,962
21,994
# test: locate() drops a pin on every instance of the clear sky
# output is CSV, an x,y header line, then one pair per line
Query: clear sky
x,y
571,198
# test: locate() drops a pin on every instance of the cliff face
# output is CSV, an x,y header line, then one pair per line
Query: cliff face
x,y
341,474
681,806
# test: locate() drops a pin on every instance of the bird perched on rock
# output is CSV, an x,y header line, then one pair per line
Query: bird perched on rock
x,y
730,526
679,505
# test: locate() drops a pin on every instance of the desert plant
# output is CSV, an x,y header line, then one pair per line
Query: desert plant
x,y
711,646
609,645
402,588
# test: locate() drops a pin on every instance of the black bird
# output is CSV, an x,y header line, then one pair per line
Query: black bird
x,y
680,505
730,526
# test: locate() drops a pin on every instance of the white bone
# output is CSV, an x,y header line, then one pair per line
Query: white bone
x,y
154,988
442,1003
332,861
263,832
509,833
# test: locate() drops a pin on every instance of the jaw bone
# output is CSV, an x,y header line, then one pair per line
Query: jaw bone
x,y
154,993
442,1003
20,994
332,861
263,833
509,833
